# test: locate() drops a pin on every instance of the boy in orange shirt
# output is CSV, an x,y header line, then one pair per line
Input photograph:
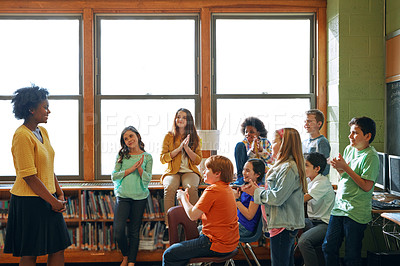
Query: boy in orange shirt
x,y
217,210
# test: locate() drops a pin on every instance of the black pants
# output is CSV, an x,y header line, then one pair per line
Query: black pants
x,y
132,209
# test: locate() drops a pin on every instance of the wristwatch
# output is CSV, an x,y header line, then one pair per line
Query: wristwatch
x,y
238,199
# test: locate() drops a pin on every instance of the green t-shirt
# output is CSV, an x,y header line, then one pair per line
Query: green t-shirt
x,y
351,200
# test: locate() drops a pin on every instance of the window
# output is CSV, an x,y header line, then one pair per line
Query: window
x,y
147,70
45,51
262,67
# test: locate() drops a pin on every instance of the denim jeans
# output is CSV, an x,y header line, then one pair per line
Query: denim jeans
x,y
240,158
313,236
282,248
243,232
181,253
343,227
132,209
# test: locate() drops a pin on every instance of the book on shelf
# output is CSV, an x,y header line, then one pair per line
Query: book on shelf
x,y
97,205
2,237
97,236
4,209
151,235
72,209
154,206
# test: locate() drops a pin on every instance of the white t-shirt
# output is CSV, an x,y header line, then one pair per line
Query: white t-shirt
x,y
323,198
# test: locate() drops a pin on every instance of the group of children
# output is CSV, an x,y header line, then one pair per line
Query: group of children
x,y
273,183
274,179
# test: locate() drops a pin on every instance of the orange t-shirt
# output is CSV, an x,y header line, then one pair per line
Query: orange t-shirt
x,y
220,221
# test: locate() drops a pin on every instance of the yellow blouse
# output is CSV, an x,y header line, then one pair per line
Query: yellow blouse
x,y
31,157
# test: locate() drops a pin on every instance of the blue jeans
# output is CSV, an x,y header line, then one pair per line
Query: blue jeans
x,y
282,248
243,232
240,158
132,209
313,236
181,253
343,227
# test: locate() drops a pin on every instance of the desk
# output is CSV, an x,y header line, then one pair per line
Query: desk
x,y
390,227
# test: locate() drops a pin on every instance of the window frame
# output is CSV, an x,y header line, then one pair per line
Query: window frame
x,y
312,96
78,97
99,97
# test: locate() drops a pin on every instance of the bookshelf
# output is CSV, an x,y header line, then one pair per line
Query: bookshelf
x,y
89,218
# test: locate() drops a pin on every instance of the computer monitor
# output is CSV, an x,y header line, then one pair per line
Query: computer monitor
x,y
382,181
394,175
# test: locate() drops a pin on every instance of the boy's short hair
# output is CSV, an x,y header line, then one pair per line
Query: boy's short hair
x,y
316,159
219,163
319,116
366,124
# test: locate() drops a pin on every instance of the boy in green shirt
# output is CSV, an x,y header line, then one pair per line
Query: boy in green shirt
x,y
351,213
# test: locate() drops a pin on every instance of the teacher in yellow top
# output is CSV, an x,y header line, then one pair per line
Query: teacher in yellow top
x,y
35,224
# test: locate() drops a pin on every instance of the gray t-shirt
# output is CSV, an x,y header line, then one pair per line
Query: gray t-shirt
x,y
319,144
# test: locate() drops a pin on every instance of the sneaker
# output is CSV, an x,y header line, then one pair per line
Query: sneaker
x,y
165,239
239,181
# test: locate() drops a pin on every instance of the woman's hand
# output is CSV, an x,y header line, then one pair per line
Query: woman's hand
x,y
58,205
249,188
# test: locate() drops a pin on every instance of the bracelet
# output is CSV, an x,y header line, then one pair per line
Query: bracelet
x,y
238,199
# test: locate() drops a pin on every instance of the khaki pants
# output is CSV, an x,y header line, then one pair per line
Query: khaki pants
x,y
171,184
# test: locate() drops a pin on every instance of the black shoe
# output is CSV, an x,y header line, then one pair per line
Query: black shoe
x,y
165,238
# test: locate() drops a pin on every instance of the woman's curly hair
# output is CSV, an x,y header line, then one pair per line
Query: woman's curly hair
x,y
26,99
255,122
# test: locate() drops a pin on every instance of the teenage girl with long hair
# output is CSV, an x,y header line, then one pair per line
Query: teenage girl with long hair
x,y
182,152
283,195
131,176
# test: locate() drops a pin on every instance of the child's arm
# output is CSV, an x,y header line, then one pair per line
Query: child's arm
x,y
248,212
307,197
192,212
340,163
147,173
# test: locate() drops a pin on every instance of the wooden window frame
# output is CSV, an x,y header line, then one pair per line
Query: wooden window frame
x,y
205,8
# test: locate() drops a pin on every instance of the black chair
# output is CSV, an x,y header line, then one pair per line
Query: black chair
x,y
177,216
248,239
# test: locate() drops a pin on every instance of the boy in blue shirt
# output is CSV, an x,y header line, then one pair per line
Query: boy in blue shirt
x,y
317,142
351,213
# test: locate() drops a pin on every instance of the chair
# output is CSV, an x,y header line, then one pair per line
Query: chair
x,y
247,240
177,216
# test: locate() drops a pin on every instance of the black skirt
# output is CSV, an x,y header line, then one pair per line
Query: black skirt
x,y
33,229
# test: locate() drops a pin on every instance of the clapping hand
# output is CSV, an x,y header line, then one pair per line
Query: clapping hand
x,y
249,188
182,194
185,142
338,163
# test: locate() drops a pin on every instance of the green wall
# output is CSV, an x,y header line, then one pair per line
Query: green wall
x,y
356,63
392,16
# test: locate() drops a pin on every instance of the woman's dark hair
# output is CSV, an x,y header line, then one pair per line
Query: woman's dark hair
x,y
255,122
189,129
258,168
26,99
124,151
